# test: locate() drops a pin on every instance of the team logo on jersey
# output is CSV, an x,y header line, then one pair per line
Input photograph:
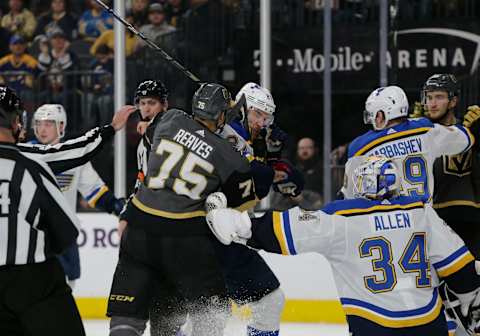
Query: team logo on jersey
x,y
306,215
459,165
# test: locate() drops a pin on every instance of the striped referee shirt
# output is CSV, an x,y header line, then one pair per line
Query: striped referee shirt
x,y
72,153
35,220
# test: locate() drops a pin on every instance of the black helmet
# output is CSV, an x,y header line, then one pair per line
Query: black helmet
x,y
441,82
151,88
10,106
210,100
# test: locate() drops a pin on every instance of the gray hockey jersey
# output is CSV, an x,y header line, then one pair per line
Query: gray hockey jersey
x,y
187,163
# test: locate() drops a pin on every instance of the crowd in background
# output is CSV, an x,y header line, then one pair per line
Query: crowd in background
x,y
61,51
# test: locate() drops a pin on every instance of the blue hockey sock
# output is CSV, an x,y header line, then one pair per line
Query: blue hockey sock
x,y
255,332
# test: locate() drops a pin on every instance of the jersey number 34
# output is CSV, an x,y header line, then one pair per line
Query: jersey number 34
x,y
413,260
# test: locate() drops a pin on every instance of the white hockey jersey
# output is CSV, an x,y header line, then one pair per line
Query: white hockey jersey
x,y
238,142
83,179
414,145
386,257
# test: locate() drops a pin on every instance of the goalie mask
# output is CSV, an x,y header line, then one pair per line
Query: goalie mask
x,y
51,112
376,178
390,100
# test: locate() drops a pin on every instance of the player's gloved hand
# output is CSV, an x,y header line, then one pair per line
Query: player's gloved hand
x,y
275,140
472,115
118,205
229,225
292,183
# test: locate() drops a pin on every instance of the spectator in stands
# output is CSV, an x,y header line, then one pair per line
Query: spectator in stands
x,y
174,10
19,20
140,12
54,62
58,17
108,38
58,57
94,21
100,99
18,69
309,163
102,65
158,25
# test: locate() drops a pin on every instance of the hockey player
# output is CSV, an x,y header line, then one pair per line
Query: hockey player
x,y
72,153
167,241
387,253
415,143
248,277
151,100
49,123
456,197
254,134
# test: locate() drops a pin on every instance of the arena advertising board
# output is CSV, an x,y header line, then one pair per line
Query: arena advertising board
x,y
414,53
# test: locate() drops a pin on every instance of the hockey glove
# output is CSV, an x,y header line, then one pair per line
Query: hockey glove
x,y
472,115
229,225
292,184
118,205
275,140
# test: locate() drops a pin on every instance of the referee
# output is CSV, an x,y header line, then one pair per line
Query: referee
x,y
35,224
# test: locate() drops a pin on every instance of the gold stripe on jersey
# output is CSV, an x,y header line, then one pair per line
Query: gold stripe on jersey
x,y
167,214
399,322
456,203
278,230
183,215
93,202
456,265
378,208
390,137
247,205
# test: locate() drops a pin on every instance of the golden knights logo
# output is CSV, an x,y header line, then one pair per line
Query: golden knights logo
x,y
459,165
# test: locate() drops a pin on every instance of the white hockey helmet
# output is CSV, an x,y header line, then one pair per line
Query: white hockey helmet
x,y
391,100
54,112
257,97
376,178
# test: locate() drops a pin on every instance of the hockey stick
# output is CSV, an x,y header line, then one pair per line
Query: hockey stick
x,y
150,43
